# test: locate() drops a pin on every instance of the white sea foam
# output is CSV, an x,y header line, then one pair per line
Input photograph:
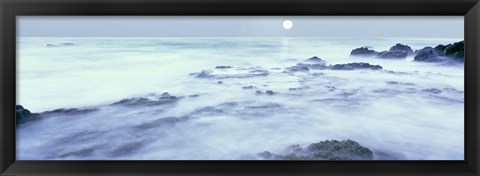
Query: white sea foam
x,y
400,118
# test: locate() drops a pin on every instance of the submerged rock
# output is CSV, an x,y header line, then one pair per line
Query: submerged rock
x,y
250,74
269,92
297,68
433,90
165,98
203,74
60,45
223,67
162,122
128,148
23,115
248,87
323,150
321,65
70,111
355,65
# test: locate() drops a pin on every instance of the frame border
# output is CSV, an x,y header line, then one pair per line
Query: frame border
x,y
9,9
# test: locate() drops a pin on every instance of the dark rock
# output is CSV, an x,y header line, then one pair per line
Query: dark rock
x,y
297,68
442,53
355,65
316,60
269,92
456,51
432,90
60,45
250,74
209,110
223,67
427,54
318,74
68,44
324,150
258,92
70,111
403,48
248,87
215,110
439,50
400,83
393,55
203,74
23,115
194,95
162,122
220,82
79,153
302,67
264,106
165,98
363,51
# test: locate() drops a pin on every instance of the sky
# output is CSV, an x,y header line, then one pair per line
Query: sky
x,y
241,26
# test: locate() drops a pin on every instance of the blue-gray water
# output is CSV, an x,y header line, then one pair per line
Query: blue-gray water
x,y
361,105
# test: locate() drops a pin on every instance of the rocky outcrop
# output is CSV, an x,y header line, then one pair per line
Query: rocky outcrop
x,y
363,51
323,150
165,98
403,48
392,55
398,51
316,60
210,75
442,53
319,64
23,115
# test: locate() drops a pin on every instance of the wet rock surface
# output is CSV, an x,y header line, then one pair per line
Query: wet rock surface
x,y
451,53
442,53
355,65
363,51
164,98
211,75
398,51
162,122
323,150
70,111
23,115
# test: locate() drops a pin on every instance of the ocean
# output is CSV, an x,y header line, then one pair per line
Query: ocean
x,y
222,116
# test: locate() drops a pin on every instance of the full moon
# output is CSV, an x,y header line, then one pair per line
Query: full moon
x,y
287,24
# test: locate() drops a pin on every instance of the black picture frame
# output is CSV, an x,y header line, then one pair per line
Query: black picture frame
x,y
9,9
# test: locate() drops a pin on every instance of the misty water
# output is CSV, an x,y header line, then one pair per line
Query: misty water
x,y
410,110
